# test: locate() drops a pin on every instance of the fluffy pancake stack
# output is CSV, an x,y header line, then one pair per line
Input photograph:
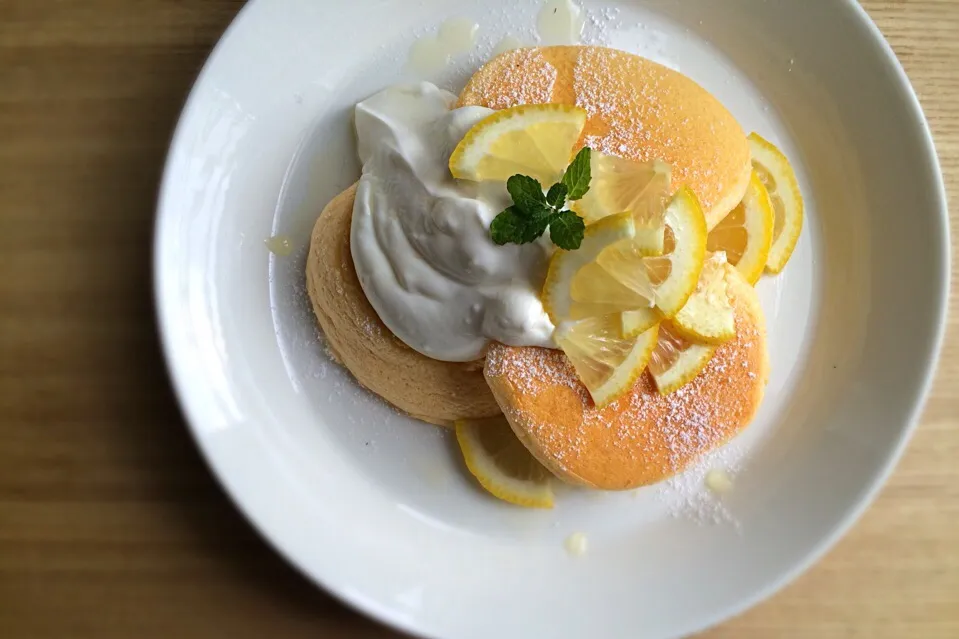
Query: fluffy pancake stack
x,y
638,110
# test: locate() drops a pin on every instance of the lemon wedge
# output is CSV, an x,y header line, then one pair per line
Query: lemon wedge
x,y
639,188
667,280
607,363
501,464
615,273
746,234
708,315
779,179
675,361
535,140
638,321
605,295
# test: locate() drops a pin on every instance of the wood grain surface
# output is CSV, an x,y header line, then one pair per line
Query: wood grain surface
x,y
110,524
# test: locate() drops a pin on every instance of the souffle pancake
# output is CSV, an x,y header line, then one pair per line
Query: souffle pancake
x,y
644,436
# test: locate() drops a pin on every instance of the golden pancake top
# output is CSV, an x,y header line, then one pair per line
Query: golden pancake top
x,y
637,109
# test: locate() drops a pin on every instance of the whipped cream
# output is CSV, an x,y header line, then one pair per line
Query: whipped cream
x,y
420,239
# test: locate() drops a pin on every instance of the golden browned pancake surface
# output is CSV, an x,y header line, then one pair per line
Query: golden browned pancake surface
x,y
638,109
643,437
428,389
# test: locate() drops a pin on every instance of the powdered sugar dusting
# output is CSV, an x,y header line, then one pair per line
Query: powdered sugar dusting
x,y
530,368
621,103
528,78
634,114
689,496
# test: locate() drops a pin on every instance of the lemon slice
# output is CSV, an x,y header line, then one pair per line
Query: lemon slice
x,y
778,177
638,321
669,279
746,234
607,363
639,188
501,464
606,295
708,315
675,361
535,140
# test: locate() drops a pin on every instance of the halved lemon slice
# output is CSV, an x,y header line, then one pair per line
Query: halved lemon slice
x,y
607,363
639,188
535,140
669,279
778,177
606,295
746,234
639,321
501,464
708,316
675,361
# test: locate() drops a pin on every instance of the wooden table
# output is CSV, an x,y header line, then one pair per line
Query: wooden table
x,y
110,524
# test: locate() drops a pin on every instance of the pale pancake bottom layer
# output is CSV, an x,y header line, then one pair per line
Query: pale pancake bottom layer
x,y
643,437
427,389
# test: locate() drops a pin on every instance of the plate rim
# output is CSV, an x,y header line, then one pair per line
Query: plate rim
x,y
882,475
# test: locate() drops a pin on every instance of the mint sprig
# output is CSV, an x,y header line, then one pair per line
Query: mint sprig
x,y
534,211
577,176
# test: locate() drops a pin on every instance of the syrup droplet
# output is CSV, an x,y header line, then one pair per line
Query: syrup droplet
x,y
279,245
560,22
431,53
507,44
718,481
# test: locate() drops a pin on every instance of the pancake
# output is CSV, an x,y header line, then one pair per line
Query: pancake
x,y
638,109
427,389
643,437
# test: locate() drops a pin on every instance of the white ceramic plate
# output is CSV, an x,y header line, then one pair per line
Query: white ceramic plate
x,y
376,507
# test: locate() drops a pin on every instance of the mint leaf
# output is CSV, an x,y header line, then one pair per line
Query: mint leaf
x,y
536,225
527,193
557,195
566,230
533,212
577,175
515,227
507,227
